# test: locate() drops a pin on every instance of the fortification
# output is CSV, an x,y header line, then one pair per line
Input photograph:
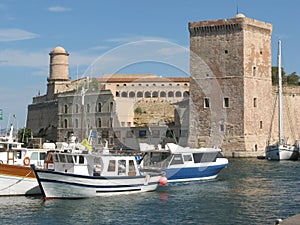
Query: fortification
x,y
230,85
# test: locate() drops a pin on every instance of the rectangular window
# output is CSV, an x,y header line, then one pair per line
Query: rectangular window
x,y
260,124
206,102
222,127
226,102
142,133
111,166
255,102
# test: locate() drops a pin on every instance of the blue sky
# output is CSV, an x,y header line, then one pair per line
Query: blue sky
x,y
103,37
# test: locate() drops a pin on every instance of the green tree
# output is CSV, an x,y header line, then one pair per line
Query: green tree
x,y
24,134
275,75
293,79
138,110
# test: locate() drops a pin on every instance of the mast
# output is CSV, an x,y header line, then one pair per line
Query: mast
x,y
280,95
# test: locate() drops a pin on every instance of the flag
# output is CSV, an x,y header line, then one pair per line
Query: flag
x,y
86,144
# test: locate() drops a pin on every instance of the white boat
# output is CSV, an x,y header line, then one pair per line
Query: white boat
x,y
16,176
79,175
182,164
281,150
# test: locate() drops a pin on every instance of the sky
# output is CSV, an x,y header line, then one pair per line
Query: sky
x,y
117,36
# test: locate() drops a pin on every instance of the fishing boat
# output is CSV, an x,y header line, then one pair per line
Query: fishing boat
x,y
281,150
16,176
83,175
182,164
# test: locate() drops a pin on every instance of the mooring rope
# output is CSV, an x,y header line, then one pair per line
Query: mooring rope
x,y
17,181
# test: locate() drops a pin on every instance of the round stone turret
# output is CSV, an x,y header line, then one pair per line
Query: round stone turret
x,y
59,64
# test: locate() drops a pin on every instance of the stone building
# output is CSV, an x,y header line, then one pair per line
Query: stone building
x,y
231,89
103,108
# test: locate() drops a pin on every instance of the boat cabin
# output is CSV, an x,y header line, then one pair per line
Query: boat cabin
x,y
95,164
164,158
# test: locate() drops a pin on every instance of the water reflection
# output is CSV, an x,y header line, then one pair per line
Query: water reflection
x,y
248,190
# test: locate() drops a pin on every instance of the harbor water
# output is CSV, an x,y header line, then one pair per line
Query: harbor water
x,y
249,191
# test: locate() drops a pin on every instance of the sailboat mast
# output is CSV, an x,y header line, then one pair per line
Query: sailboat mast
x,y
280,94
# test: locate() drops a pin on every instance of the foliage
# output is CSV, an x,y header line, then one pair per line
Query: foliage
x,y
291,79
138,110
91,84
24,134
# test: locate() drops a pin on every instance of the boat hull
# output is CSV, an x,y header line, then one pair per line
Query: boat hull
x,y
200,171
282,153
63,185
18,180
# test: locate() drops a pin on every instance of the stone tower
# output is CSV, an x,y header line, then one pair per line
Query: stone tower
x,y
59,72
230,86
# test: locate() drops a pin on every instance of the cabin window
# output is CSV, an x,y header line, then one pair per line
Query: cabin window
x,y
55,158
69,159
131,171
177,159
121,167
197,157
34,156
19,155
187,158
205,157
81,159
111,166
62,158
42,155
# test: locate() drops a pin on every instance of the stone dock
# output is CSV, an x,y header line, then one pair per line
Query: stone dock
x,y
293,220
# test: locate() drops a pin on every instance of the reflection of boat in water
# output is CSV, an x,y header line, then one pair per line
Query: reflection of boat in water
x,y
16,177
281,150
80,175
183,163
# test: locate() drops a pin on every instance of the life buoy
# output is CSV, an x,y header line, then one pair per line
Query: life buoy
x,y
26,161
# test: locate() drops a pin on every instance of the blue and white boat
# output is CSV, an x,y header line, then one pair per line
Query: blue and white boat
x,y
182,164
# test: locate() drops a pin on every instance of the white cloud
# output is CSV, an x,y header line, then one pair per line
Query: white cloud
x,y
58,9
16,35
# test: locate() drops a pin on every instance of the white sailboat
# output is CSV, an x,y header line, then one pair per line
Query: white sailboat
x,y
281,150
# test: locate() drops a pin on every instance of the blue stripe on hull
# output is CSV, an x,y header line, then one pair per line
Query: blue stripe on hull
x,y
192,172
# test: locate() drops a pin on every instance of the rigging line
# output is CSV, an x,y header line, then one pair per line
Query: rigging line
x,y
272,119
18,181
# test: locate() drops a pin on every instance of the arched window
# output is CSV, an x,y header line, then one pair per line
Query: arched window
x,y
76,108
186,94
117,94
111,107
66,109
124,94
131,94
99,123
178,94
139,94
76,123
65,123
170,94
162,94
147,94
154,94
99,107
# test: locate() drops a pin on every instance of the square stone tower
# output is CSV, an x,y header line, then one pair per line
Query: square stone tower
x,y
230,85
